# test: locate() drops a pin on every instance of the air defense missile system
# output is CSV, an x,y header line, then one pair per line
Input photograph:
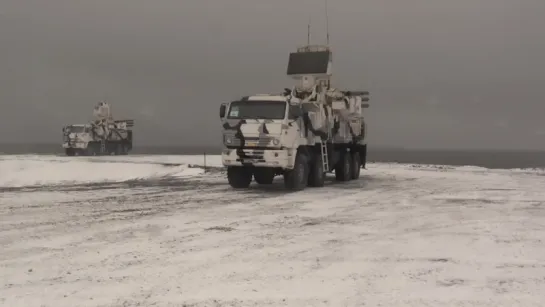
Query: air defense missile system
x,y
102,136
301,133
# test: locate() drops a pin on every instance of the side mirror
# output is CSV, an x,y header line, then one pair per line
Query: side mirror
x,y
223,108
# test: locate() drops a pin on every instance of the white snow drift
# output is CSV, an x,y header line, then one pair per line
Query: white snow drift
x,y
33,170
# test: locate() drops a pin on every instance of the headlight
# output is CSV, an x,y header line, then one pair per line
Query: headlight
x,y
276,141
228,140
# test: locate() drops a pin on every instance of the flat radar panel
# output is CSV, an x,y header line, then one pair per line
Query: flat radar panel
x,y
308,62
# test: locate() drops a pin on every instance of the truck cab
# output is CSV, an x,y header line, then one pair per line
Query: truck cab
x,y
76,138
261,131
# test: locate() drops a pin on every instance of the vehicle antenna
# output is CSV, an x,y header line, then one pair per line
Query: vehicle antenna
x,y
327,24
308,30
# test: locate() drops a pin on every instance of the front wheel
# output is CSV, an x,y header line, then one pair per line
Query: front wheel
x,y
296,179
70,152
239,177
264,175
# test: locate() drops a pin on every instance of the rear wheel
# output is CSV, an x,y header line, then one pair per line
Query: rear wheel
x,y
119,149
92,149
70,152
125,150
363,156
343,167
316,176
89,151
296,179
239,177
356,166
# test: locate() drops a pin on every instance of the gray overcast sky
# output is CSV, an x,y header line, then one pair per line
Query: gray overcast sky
x,y
461,73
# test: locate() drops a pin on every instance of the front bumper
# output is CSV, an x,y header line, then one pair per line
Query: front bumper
x,y
281,158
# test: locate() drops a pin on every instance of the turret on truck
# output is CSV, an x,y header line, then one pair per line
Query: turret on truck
x,y
302,133
102,136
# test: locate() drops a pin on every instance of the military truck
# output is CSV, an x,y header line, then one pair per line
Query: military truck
x,y
102,136
301,133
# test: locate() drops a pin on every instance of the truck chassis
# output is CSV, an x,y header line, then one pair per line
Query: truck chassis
x,y
312,163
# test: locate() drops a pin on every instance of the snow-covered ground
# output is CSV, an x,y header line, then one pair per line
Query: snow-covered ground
x,y
152,231
33,170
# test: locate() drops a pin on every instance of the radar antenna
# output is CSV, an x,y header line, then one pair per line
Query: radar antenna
x,y
311,65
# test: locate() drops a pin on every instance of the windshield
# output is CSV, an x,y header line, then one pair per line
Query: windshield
x,y
75,129
257,110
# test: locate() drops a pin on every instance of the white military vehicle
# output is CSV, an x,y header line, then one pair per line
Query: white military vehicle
x,y
302,133
103,136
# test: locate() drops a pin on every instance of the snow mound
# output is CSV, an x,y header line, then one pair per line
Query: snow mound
x,y
22,171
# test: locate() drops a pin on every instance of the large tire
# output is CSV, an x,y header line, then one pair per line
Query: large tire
x,y
70,152
119,150
296,179
363,156
316,176
123,149
264,175
81,152
239,177
89,151
92,149
343,167
356,166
